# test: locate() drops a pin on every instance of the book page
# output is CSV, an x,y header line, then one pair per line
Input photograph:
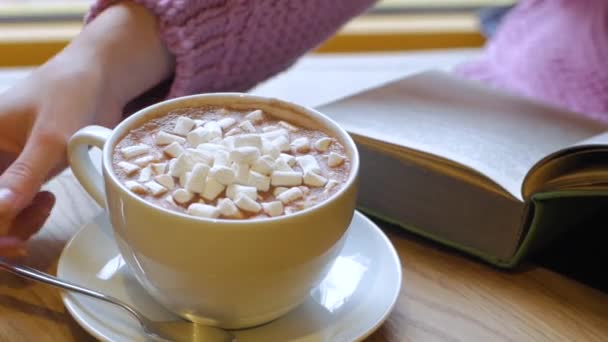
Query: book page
x,y
499,135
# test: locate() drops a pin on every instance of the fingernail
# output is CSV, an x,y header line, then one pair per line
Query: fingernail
x,y
7,199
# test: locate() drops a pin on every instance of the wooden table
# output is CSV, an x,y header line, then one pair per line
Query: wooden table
x,y
445,296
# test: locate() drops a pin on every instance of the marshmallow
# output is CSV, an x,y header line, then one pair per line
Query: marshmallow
x,y
198,122
255,116
228,142
233,190
198,178
145,174
275,133
290,195
223,174
197,156
212,148
127,167
260,181
183,125
164,138
269,149
263,165
174,149
282,143
273,209
288,126
233,131
166,181
245,154
170,200
241,172
212,189
183,179
301,145
313,179
278,190
145,160
182,196
281,165
247,126
155,188
203,210
322,144
186,161
269,128
227,207
135,150
253,140
158,168
308,163
246,203
226,122
335,159
221,158
305,189
286,178
288,158
215,140
209,131
331,184
136,187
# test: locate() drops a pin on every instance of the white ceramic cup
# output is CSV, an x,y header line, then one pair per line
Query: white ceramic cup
x,y
229,273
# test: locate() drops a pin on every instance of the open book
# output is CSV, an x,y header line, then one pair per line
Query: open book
x,y
489,173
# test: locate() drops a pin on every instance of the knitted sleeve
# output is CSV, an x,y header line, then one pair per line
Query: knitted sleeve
x,y
231,45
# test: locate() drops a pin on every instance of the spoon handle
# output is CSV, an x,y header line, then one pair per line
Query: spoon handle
x,y
30,273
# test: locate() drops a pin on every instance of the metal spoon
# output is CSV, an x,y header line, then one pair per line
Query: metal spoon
x,y
175,331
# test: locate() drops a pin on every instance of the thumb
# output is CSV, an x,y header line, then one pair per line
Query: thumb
x,y
25,176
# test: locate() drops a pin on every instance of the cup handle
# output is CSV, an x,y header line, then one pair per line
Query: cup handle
x,y
80,160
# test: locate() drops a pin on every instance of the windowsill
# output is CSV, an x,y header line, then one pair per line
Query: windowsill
x,y
25,44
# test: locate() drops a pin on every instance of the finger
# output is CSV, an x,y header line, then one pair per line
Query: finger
x,y
12,247
23,178
32,218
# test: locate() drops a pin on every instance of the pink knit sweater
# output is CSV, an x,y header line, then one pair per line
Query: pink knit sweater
x,y
552,50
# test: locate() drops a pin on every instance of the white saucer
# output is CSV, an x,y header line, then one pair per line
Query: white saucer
x,y
355,298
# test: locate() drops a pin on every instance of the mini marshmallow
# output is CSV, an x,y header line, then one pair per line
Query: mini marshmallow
x,y
288,126
275,133
305,189
282,143
233,190
182,196
227,207
260,181
174,149
155,188
288,158
166,181
200,135
335,160
145,160
269,149
183,179
322,144
269,128
253,140
331,184
286,178
127,167
241,171
308,163
197,156
198,122
247,126
158,168
221,158
245,154
301,145
273,209
313,179
186,161
136,187
290,195
223,174
226,122
255,116
281,165
203,210
211,148
135,150
246,203
164,138
198,178
145,174
212,189
278,190
183,125
233,131
228,142
263,165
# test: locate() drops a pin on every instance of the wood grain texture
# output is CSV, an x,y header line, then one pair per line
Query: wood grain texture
x,y
445,296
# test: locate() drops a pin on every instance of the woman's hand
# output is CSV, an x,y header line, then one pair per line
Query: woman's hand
x,y
117,57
